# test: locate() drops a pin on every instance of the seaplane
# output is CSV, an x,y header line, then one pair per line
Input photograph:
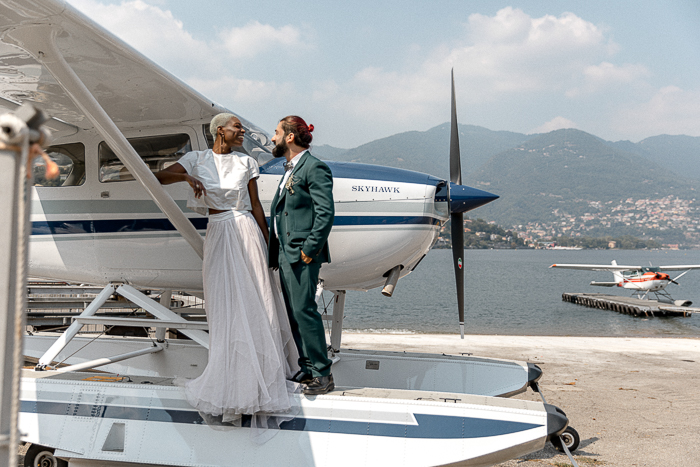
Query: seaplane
x,y
116,117
642,280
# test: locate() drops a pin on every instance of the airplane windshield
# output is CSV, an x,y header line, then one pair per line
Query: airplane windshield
x,y
257,144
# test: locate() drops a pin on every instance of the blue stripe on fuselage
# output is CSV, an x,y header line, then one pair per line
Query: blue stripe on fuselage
x,y
429,426
355,170
200,223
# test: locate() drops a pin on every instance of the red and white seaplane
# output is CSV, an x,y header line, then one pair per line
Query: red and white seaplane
x,y
640,279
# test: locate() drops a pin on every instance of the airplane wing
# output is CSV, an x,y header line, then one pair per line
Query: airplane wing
x,y
595,267
134,91
679,267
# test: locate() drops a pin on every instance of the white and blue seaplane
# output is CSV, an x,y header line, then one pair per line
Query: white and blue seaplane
x,y
116,117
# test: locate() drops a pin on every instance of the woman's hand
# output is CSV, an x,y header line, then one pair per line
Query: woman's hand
x,y
177,173
196,185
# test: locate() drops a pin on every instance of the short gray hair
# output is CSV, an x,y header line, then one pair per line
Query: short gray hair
x,y
219,120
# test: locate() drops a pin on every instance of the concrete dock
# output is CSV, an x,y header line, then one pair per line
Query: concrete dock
x,y
628,305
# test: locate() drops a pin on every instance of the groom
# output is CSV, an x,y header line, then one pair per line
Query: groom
x,y
301,217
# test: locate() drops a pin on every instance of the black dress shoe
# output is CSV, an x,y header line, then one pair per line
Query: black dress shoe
x,y
319,385
301,377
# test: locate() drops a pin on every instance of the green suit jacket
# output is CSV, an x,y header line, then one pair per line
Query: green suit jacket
x,y
303,213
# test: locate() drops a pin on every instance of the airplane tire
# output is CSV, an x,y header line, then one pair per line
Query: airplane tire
x,y
571,440
40,456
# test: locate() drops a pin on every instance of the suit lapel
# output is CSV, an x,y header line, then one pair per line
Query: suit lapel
x,y
279,196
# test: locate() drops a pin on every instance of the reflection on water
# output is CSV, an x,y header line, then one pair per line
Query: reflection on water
x,y
514,292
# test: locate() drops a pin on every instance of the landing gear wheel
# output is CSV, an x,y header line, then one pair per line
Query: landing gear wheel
x,y
40,456
571,440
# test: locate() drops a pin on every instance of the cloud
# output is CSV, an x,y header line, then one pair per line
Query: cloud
x,y
255,38
506,65
513,52
606,76
508,56
671,110
557,123
156,33
239,91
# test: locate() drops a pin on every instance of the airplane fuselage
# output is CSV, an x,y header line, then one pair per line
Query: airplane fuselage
x,y
645,281
108,229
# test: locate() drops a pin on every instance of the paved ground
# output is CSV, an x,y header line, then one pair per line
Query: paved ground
x,y
634,402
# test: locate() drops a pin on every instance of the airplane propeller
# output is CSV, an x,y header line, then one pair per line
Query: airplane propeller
x,y
456,218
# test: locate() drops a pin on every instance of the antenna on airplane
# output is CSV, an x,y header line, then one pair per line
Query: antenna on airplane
x,y
457,218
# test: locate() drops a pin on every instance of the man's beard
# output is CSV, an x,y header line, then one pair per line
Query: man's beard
x,y
280,149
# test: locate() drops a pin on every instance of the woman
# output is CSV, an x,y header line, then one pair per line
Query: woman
x,y
251,344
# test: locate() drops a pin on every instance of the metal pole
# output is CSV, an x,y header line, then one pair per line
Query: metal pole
x,y
337,327
165,300
107,360
14,136
68,335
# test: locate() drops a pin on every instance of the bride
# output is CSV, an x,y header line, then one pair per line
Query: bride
x,y
251,349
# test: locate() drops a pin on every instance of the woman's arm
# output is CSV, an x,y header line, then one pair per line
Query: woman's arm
x,y
257,210
177,173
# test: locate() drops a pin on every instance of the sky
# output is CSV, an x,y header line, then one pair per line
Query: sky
x,y
364,70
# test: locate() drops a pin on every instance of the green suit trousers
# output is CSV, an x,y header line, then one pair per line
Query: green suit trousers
x,y
299,289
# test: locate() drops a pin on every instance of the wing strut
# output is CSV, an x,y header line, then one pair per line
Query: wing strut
x,y
39,41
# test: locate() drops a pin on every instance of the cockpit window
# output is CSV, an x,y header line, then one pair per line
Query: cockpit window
x,y
70,159
256,142
158,152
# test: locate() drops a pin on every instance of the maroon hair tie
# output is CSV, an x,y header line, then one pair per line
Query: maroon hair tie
x,y
311,128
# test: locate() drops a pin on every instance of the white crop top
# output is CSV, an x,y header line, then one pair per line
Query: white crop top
x,y
225,176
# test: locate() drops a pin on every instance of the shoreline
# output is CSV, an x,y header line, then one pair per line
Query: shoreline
x,y
633,400
408,332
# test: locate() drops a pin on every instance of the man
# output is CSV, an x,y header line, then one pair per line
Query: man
x,y
301,218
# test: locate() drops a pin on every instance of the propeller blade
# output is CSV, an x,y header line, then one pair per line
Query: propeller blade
x,y
457,232
455,163
457,218
679,276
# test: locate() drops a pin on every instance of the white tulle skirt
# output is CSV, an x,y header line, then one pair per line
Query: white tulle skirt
x,y
251,349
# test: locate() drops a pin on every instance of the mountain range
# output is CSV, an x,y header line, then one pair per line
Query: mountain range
x,y
536,175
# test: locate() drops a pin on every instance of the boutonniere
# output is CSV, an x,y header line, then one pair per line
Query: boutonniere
x,y
290,184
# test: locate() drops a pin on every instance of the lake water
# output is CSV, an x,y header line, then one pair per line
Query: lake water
x,y
513,292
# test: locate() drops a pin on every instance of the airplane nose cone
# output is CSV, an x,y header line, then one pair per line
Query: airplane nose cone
x,y
465,198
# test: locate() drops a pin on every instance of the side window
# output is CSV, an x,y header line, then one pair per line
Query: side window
x,y
70,159
158,152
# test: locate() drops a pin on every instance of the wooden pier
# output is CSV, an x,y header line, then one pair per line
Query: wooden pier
x,y
628,305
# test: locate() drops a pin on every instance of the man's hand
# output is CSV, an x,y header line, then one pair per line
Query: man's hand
x,y
306,259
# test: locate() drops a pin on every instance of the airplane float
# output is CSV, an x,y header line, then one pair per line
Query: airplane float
x,y
640,279
116,118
